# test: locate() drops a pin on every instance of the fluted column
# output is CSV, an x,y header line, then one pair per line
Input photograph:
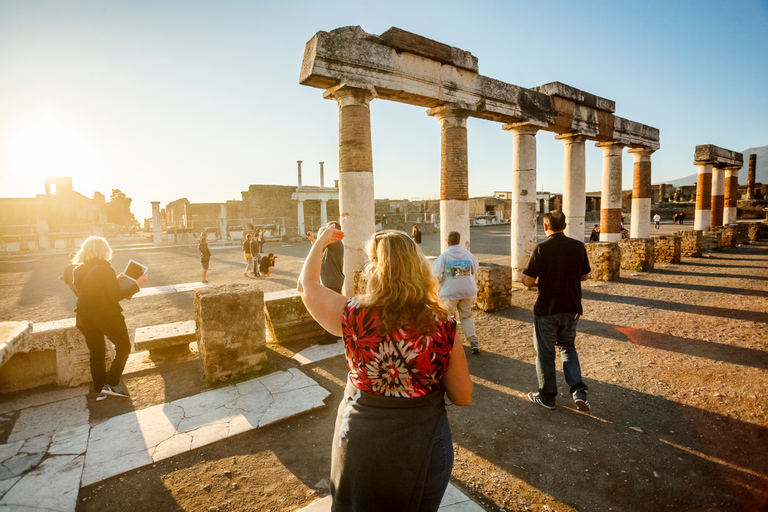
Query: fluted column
x,y
731,195
641,193
703,196
454,173
523,207
356,204
610,196
574,184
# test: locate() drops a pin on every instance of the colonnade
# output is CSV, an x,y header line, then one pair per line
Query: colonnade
x,y
321,194
716,187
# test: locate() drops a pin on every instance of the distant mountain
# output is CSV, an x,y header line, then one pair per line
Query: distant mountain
x,y
761,169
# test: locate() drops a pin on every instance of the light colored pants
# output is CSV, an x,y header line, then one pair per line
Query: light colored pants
x,y
464,308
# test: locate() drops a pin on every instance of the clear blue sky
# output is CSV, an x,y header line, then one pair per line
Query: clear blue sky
x,y
170,99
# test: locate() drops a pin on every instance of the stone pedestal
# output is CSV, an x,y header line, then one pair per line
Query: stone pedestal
x,y
494,287
287,318
691,243
637,254
711,240
605,261
230,330
667,249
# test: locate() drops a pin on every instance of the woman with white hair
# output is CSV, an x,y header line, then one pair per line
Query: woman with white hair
x,y
99,313
392,447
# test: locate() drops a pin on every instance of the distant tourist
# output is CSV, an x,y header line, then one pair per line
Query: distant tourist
x,y
205,256
267,265
557,266
310,237
455,270
656,220
260,239
68,275
682,218
99,314
594,236
392,447
416,235
255,254
332,268
248,255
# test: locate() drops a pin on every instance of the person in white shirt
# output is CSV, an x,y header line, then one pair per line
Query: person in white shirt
x,y
456,269
657,220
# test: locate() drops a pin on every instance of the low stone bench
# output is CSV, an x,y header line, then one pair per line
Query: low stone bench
x,y
287,318
53,353
12,334
166,340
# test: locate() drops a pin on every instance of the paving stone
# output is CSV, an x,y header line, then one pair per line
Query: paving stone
x,y
23,462
36,399
96,472
175,445
319,352
37,444
6,484
9,450
155,290
50,418
286,381
291,403
54,485
70,446
185,287
209,434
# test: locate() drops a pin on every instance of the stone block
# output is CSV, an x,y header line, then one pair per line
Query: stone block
x,y
711,240
166,339
494,287
637,254
691,243
72,360
667,249
605,261
287,318
230,330
753,232
12,334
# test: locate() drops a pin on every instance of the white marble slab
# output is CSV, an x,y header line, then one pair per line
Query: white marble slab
x,y
154,290
50,418
319,352
57,395
9,450
52,486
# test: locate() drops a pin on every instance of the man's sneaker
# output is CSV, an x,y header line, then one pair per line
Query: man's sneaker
x,y
582,404
474,345
116,390
100,395
535,398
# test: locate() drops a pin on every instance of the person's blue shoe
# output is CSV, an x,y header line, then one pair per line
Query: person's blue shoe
x,y
116,390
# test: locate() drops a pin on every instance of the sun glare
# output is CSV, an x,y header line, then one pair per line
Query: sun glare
x,y
46,144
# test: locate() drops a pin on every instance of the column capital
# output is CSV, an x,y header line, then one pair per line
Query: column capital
x,y
641,152
450,110
609,144
732,170
521,128
571,138
347,95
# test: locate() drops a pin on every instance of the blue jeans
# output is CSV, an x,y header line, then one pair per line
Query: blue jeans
x,y
557,331
439,470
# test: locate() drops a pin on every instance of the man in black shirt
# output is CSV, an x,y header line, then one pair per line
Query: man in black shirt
x,y
560,264
332,269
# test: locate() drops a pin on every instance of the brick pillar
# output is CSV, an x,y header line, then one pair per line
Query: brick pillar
x,y
574,184
751,176
703,196
523,207
731,193
454,173
641,193
610,198
718,197
356,205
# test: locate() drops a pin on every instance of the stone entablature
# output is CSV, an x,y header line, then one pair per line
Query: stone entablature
x,y
604,260
637,254
667,249
714,155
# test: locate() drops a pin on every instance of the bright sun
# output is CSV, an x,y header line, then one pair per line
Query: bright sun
x,y
45,144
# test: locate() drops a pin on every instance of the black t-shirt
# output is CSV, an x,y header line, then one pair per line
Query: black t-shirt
x,y
558,262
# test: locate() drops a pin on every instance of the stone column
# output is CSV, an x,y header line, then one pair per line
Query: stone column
x,y
356,205
751,176
574,184
300,210
322,177
223,221
718,197
731,193
157,227
641,193
610,198
523,207
299,162
454,173
323,212
703,196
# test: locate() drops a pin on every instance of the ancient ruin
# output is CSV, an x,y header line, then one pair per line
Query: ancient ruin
x,y
354,67
711,190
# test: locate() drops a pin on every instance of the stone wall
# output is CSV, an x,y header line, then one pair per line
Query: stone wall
x,y
230,330
691,243
734,234
605,260
711,240
667,249
273,202
494,287
637,254
287,318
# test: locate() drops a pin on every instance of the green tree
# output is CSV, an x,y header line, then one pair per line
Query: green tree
x,y
119,209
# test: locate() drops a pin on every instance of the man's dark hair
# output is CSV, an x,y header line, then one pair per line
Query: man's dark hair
x,y
555,220
454,237
336,224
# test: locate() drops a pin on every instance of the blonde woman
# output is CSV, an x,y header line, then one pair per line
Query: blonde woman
x,y
99,313
403,360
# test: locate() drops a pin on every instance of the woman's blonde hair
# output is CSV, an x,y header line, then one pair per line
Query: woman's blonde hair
x,y
94,248
400,284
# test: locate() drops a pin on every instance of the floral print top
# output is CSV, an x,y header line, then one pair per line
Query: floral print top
x,y
404,363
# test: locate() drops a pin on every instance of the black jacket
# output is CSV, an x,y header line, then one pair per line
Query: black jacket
x,y
98,291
